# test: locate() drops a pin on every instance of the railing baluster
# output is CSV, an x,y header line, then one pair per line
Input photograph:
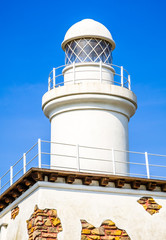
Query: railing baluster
x,y
121,78
0,186
121,68
39,153
129,82
53,77
49,84
147,165
24,163
11,175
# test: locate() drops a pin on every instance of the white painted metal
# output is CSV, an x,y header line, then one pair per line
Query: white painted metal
x,y
49,84
129,82
147,165
24,163
79,156
122,76
54,77
11,175
82,55
112,74
39,153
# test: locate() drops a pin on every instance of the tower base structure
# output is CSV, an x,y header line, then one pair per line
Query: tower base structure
x,y
94,116
80,206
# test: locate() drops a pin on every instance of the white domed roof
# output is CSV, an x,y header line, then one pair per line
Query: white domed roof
x,y
88,28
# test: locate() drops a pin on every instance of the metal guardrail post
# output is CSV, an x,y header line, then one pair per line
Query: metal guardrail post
x,y
39,153
129,82
49,84
100,71
78,158
0,186
24,163
147,165
74,72
113,162
53,77
11,175
121,73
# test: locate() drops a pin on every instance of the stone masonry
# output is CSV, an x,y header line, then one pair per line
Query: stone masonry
x,y
44,224
14,212
149,205
107,231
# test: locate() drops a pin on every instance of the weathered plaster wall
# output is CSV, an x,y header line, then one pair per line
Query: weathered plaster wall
x,y
92,203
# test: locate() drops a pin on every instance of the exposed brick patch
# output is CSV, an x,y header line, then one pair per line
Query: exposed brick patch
x,y
107,231
14,212
149,205
44,224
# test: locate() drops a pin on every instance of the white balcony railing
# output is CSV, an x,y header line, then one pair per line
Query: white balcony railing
x,y
121,76
142,165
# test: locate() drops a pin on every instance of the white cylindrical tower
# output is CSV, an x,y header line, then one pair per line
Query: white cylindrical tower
x,y
91,111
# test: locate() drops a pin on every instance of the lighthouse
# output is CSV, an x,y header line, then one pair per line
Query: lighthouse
x,y
92,109
87,191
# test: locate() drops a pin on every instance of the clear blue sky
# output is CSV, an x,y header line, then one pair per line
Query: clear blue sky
x,y
30,46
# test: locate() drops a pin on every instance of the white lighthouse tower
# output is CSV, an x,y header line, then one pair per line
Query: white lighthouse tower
x,y
88,191
89,114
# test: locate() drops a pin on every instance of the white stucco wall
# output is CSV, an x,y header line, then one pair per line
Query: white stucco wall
x,y
92,203
90,114
85,72
94,135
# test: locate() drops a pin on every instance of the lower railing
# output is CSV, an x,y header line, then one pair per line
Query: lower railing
x,y
74,157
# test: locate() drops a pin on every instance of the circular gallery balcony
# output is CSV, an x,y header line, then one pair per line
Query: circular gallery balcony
x,y
78,73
